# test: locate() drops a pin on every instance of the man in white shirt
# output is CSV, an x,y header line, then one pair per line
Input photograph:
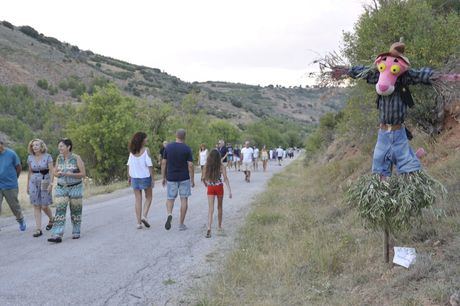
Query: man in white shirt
x,y
279,154
247,155
255,161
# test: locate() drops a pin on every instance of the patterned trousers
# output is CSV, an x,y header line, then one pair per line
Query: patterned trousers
x,y
64,197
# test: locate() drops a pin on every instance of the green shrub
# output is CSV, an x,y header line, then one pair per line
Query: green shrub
x,y
8,25
43,84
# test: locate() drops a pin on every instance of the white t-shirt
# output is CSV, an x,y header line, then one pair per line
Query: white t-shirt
x,y
279,152
256,153
203,157
139,165
247,154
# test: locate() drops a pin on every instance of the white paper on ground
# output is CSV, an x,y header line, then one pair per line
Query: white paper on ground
x,y
404,256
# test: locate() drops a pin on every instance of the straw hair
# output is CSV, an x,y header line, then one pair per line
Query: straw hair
x,y
43,147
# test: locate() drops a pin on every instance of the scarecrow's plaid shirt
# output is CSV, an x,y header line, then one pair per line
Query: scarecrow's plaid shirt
x,y
392,109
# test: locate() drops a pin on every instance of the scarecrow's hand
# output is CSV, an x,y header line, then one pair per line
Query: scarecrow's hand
x,y
339,72
446,77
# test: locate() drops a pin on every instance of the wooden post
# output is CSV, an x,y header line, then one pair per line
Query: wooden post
x,y
386,245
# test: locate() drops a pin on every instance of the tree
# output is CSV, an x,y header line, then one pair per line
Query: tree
x,y
101,130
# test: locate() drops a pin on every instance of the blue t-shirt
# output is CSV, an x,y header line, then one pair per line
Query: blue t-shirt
x,y
8,175
178,155
223,150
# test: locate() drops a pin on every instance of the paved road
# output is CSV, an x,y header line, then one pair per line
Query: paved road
x,y
116,264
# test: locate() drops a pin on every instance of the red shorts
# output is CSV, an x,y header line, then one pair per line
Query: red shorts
x,y
216,190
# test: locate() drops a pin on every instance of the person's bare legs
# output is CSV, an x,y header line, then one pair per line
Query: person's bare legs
x,y
220,200
138,205
183,209
148,201
211,210
48,212
38,217
169,206
249,176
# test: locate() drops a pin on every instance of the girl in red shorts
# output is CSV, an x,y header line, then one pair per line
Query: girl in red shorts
x,y
213,176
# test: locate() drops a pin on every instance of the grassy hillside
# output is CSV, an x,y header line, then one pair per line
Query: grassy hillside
x,y
61,72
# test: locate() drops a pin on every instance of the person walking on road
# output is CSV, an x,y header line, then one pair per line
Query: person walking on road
x,y
237,158
70,171
214,176
141,176
10,169
264,158
203,156
255,159
223,152
40,183
178,175
247,154
279,154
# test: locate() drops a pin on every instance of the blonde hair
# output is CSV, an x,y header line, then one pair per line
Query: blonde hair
x,y
43,147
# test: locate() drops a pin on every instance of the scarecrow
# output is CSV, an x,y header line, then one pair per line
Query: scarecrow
x,y
384,202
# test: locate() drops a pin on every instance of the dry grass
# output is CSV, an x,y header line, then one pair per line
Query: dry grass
x,y
90,190
302,246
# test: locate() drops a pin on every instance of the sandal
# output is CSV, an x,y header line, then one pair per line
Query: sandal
x,y
144,220
208,234
37,233
50,224
55,240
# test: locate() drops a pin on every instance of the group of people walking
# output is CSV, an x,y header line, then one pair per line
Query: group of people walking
x,y
177,171
66,175
68,172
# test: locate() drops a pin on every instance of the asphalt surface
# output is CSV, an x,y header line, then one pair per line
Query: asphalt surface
x,y
113,263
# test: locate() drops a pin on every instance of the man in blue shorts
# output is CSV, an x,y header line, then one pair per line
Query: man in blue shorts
x,y
178,175
10,168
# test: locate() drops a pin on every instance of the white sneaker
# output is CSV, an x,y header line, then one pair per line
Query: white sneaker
x,y
139,226
182,227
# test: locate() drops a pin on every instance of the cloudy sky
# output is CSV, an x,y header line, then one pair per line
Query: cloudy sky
x,y
255,42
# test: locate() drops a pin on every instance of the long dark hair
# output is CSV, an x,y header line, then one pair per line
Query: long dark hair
x,y
67,142
213,166
135,145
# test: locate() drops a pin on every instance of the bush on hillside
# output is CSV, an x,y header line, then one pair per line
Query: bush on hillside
x,y
8,25
29,31
43,84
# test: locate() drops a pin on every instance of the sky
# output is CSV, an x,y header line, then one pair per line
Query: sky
x,y
253,42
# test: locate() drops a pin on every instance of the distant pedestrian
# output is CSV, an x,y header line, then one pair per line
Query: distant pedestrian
x,y
255,158
279,154
237,158
230,156
178,175
70,171
264,158
162,150
40,183
223,152
10,169
141,176
214,176
247,155
203,156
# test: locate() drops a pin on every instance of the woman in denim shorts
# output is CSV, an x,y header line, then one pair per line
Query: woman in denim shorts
x,y
140,176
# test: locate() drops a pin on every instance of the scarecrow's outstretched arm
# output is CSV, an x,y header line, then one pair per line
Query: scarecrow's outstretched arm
x,y
370,74
418,76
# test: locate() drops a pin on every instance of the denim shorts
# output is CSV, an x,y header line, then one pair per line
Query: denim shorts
x,y
183,188
141,183
392,148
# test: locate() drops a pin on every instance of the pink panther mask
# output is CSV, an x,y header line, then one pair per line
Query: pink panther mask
x,y
390,69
